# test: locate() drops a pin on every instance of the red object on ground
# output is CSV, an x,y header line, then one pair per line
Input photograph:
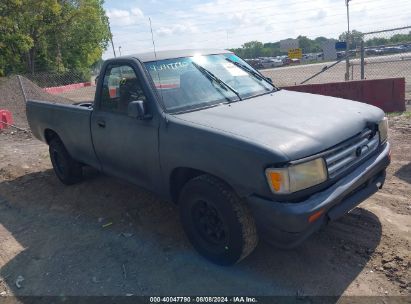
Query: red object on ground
x,y
6,119
387,94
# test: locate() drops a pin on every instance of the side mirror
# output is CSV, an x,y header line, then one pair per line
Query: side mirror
x,y
136,109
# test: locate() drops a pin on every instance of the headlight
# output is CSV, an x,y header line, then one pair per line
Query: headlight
x,y
383,129
296,177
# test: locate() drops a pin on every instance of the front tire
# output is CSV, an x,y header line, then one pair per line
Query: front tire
x,y
66,168
217,222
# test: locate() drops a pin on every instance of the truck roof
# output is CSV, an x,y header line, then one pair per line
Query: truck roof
x,y
161,55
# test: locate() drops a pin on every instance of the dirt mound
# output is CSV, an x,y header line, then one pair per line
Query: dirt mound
x,y
12,97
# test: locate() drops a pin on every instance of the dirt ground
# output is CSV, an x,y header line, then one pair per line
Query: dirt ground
x,y
107,237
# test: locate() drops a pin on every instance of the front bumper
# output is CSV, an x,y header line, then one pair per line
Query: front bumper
x,y
287,224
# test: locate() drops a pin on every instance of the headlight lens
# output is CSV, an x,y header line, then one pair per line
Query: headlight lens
x,y
383,129
296,177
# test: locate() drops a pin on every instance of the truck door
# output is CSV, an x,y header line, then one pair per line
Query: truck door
x,y
125,146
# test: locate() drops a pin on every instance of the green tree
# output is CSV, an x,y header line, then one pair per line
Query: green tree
x,y
252,49
14,42
399,38
321,39
274,48
395,39
308,45
376,41
52,35
355,38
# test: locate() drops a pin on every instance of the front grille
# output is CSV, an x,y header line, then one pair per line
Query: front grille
x,y
351,152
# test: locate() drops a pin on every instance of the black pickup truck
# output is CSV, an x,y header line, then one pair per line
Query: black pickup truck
x,y
239,156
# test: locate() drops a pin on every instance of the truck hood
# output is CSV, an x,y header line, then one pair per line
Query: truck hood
x,y
292,123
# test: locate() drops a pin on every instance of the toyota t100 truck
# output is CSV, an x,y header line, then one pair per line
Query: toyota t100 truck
x,y
241,158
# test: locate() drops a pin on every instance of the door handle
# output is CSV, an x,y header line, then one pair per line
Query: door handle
x,y
101,123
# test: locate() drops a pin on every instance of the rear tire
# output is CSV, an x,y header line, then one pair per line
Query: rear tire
x,y
218,224
66,168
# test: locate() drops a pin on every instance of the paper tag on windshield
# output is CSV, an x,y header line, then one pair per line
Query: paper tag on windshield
x,y
233,70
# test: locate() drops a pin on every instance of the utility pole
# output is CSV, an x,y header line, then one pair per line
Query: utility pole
x,y
347,40
111,38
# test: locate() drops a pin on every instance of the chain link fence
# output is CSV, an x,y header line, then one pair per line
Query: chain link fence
x,y
373,55
386,54
68,87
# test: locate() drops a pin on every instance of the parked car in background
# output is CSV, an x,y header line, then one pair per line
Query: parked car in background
x,y
374,51
312,57
284,59
255,63
308,57
341,54
392,49
271,63
295,61
406,47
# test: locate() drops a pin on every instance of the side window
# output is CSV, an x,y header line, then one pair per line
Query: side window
x,y
120,87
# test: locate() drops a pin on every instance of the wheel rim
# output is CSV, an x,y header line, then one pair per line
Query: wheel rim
x,y
58,162
208,223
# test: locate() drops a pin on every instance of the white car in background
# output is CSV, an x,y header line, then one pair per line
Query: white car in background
x,y
271,63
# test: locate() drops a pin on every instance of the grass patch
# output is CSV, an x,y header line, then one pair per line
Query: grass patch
x,y
406,114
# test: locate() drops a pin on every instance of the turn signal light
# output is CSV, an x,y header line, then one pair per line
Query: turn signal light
x,y
276,179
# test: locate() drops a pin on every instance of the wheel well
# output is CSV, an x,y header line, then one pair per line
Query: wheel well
x,y
179,177
49,135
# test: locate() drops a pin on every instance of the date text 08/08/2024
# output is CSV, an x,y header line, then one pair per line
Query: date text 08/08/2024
x,y
208,299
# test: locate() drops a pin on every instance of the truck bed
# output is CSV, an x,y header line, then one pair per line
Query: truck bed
x,y
70,122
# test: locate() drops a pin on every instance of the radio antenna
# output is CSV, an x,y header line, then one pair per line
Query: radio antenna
x,y
155,56
152,38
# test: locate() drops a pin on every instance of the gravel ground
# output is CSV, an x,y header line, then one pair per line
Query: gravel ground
x,y
107,237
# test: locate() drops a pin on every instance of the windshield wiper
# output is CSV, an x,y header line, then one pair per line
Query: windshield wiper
x,y
251,72
213,77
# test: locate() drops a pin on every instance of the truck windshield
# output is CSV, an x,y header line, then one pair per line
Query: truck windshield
x,y
191,83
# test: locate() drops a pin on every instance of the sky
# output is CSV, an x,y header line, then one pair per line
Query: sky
x,y
179,24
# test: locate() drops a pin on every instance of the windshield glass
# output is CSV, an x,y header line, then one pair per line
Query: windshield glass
x,y
201,81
